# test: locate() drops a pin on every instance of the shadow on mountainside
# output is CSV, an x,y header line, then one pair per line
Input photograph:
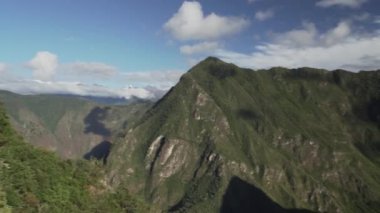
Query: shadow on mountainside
x,y
99,152
243,197
94,124
247,114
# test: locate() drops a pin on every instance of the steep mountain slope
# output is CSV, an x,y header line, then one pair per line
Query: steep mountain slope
x,y
71,126
233,140
33,180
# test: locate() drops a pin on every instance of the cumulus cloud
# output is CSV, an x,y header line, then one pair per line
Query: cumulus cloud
x,y
308,35
305,36
337,34
203,47
344,3
3,68
90,68
83,78
189,23
377,20
157,92
76,88
43,65
264,15
164,79
337,48
361,17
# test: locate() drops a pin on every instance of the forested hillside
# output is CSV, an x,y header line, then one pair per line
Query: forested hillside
x,y
33,180
71,126
230,139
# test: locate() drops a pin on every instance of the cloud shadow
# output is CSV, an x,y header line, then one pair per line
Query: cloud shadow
x,y
99,152
243,197
94,124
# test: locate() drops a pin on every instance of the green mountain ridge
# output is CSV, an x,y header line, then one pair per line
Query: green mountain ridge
x,y
224,139
307,138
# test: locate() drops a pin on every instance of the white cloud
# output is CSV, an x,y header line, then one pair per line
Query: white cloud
x,y
162,79
90,68
338,48
191,61
3,68
264,15
344,3
308,35
43,65
305,36
203,47
361,17
377,20
337,34
189,23
83,78
76,88
354,54
157,92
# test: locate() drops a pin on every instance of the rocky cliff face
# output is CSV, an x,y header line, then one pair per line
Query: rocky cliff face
x,y
234,140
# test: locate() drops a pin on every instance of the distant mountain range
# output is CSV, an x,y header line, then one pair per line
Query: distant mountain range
x,y
109,100
67,124
224,139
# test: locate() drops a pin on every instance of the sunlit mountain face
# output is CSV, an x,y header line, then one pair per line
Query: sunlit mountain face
x,y
190,106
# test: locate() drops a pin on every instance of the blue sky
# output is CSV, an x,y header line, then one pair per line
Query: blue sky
x,y
135,47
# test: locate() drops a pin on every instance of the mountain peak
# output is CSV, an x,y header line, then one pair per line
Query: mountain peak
x,y
213,67
212,59
269,128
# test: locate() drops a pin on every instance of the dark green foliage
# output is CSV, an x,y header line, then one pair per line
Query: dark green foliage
x,y
222,71
33,180
308,138
67,125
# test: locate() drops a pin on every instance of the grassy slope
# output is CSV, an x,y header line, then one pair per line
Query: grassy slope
x,y
308,138
326,108
32,180
49,108
59,123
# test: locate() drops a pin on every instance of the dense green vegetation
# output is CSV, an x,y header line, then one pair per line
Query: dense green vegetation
x,y
71,126
296,139
32,180
308,138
